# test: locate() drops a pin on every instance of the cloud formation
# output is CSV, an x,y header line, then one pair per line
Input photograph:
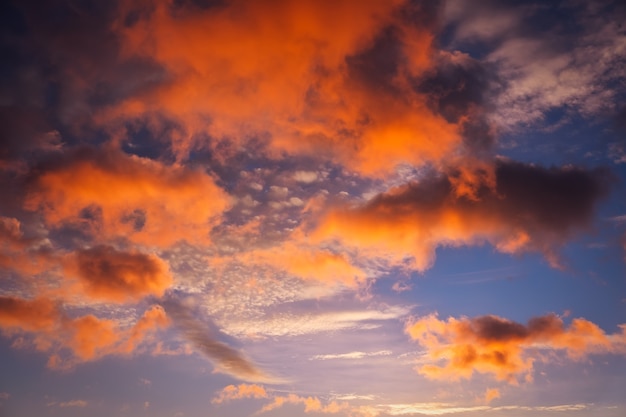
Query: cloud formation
x,y
117,276
226,359
107,194
504,349
518,208
540,65
344,92
311,404
42,324
236,392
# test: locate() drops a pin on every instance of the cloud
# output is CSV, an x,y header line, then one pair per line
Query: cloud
x,y
110,194
344,94
311,404
504,349
351,355
306,177
30,315
117,276
491,394
429,409
73,403
232,392
517,208
308,263
440,408
226,359
302,324
71,340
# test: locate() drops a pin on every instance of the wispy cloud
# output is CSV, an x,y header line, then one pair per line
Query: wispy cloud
x,y
225,358
351,355
296,325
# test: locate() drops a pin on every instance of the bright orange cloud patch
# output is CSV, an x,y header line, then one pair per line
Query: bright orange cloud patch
x,y
311,404
307,77
308,263
41,323
236,392
502,348
109,194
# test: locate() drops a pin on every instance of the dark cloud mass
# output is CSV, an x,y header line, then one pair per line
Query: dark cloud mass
x,y
542,200
119,276
518,207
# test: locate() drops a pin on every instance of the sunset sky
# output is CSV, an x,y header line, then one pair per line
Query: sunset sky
x,y
369,208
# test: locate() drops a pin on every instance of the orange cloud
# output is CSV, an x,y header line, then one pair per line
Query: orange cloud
x,y
19,253
308,263
110,194
311,404
491,394
502,348
29,315
72,340
517,208
108,274
232,392
346,89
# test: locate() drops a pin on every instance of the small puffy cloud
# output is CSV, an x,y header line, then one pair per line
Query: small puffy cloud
x,y
306,177
117,276
278,193
235,392
73,403
504,349
491,394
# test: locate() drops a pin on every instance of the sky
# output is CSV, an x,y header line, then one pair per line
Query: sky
x,y
312,208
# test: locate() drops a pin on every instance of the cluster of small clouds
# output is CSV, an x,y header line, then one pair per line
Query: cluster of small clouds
x,y
313,404
548,68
